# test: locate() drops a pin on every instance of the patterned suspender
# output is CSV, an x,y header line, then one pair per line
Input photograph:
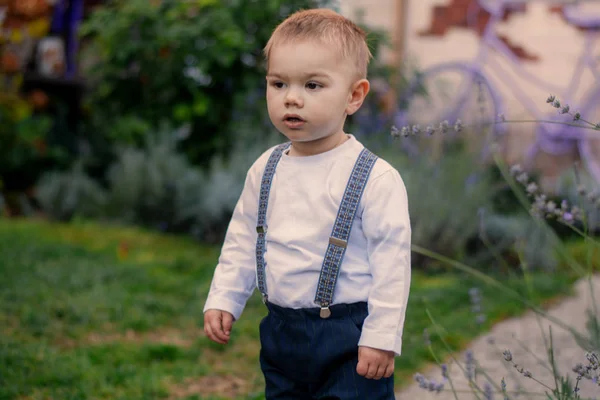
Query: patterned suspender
x,y
339,235
261,224
341,230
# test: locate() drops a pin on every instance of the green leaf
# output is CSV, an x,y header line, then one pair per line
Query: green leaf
x,y
200,106
182,112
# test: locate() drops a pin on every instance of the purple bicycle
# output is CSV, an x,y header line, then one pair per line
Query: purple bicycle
x,y
465,90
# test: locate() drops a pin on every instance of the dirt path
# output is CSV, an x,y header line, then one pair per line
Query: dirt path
x,y
518,334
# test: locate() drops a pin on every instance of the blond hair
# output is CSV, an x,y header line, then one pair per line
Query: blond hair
x,y
327,27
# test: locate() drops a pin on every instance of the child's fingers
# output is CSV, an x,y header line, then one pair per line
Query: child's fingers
x,y
372,371
217,328
213,327
389,370
212,336
227,323
209,333
362,368
381,371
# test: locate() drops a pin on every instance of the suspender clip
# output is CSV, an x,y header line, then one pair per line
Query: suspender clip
x,y
265,298
325,312
261,229
338,242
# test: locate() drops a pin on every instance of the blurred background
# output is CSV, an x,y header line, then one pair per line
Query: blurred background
x,y
92,89
127,128
147,112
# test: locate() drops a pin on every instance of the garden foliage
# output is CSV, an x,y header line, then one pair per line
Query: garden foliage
x,y
190,63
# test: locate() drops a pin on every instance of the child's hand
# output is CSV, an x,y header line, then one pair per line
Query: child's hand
x,y
375,363
217,325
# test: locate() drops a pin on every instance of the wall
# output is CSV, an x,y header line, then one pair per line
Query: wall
x,y
545,44
380,13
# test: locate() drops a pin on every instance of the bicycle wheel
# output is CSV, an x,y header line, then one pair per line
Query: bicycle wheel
x,y
589,143
449,92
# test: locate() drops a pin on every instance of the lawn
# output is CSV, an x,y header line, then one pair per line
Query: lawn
x,y
105,312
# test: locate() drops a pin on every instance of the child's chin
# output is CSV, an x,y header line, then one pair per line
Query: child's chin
x,y
297,135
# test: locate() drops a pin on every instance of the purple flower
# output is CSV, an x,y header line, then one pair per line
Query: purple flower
x,y
532,188
444,126
469,365
458,125
523,178
516,170
426,384
487,392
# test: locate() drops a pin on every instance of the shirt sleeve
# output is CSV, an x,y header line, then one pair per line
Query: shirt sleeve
x,y
234,278
386,225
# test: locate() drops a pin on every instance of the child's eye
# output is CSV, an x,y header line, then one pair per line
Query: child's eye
x,y
277,84
313,85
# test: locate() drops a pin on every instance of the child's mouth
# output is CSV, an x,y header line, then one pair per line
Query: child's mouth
x,y
293,122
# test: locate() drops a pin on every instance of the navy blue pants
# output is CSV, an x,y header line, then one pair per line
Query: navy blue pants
x,y
305,357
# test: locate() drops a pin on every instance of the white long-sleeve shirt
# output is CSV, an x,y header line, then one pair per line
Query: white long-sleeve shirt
x,y
305,195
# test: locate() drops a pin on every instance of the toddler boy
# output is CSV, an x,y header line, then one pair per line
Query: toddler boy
x,y
321,228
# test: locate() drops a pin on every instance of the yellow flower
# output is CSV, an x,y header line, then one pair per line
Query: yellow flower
x,y
39,28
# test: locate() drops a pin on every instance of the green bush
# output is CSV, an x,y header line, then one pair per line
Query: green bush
x,y
455,210
193,63
27,146
70,193
150,80
156,186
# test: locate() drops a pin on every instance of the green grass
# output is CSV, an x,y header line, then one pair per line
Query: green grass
x,y
80,319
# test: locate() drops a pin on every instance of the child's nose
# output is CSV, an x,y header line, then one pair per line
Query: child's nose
x,y
293,98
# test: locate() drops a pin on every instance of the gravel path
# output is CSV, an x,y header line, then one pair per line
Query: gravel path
x,y
513,334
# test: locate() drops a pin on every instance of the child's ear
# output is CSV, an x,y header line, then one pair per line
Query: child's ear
x,y
359,91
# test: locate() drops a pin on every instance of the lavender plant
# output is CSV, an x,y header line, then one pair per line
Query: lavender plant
x,y
441,225
157,186
584,191
444,227
554,383
72,193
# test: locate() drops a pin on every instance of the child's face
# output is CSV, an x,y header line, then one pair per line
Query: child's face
x,y
309,81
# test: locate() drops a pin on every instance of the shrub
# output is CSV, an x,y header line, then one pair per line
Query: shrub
x,y
454,211
156,186
70,193
195,63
